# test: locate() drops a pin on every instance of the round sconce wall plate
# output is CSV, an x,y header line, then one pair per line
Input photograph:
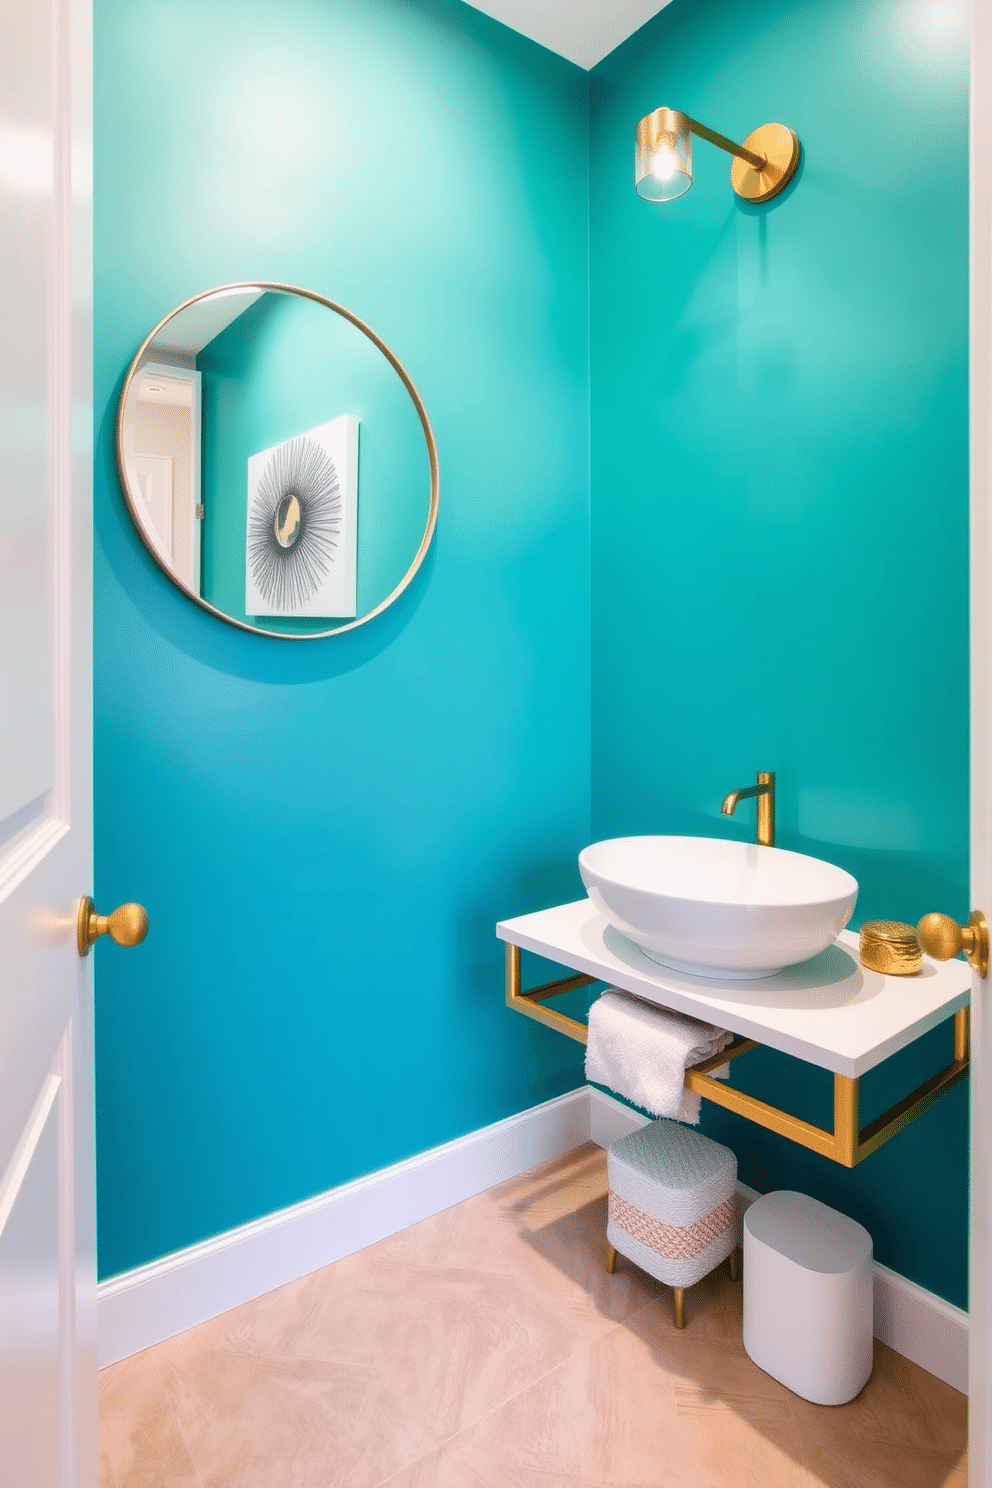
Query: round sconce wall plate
x,y
780,147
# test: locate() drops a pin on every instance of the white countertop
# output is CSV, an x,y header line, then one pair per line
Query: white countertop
x,y
829,1011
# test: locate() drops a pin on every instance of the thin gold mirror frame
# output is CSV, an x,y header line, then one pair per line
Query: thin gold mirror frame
x,y
404,377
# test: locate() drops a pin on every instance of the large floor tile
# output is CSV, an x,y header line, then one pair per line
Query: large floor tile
x,y
900,1405
905,1428
611,1417
288,1423
141,1445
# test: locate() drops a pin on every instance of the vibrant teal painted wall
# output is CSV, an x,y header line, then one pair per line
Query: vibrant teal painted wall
x,y
325,834
779,513
281,368
779,518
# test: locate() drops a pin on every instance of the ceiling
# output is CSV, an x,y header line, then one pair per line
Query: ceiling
x,y
584,31
190,330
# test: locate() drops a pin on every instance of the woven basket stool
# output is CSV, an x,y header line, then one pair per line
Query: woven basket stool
x,y
673,1207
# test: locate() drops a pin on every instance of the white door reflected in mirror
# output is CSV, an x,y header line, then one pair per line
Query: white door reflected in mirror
x,y
154,476
163,456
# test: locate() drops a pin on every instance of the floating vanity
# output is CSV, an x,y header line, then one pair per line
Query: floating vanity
x,y
829,1011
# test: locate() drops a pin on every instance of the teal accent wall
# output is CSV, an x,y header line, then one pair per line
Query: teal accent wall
x,y
325,834
779,507
283,367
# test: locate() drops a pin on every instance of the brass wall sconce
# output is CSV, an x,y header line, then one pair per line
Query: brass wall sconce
x,y
763,164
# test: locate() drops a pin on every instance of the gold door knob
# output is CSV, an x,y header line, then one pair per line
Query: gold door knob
x,y
128,925
942,938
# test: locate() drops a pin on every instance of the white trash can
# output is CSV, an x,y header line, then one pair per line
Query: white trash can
x,y
808,1299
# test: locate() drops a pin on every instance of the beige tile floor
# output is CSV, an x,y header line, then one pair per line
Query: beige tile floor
x,y
488,1347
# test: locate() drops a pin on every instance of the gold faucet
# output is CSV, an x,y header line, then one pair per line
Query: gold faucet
x,y
765,792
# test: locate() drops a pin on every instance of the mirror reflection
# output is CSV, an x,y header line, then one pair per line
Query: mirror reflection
x,y
277,461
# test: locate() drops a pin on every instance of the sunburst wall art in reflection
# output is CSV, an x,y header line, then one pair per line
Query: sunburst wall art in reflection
x,y
301,555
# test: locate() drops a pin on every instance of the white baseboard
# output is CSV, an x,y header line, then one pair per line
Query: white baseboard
x,y
916,1323
154,1302
922,1327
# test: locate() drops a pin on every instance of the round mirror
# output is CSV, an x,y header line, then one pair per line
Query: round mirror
x,y
277,460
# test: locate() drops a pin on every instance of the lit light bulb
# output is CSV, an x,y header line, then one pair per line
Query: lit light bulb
x,y
664,164
662,155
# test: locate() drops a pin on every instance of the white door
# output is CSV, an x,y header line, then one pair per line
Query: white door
x,y
47,1238
161,439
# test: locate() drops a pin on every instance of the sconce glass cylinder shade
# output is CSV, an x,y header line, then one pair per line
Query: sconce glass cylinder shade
x,y
662,155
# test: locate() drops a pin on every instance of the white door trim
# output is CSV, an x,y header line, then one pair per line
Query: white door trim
x,y
980,382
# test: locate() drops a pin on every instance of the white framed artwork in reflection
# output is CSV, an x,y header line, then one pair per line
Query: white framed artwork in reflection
x,y
301,549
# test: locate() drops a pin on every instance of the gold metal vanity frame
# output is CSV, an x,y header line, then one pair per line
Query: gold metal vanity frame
x,y
849,1142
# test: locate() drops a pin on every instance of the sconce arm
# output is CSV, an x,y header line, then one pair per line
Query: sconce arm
x,y
723,143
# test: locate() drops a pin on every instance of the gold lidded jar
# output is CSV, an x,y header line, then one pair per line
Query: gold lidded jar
x,y
890,946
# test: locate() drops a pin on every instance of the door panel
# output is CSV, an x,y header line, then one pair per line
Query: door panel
x,y
30,1385
47,1245
27,158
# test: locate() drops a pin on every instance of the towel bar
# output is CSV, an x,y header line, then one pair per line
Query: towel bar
x,y
848,1143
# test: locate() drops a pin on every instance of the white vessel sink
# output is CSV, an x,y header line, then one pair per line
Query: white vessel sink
x,y
717,908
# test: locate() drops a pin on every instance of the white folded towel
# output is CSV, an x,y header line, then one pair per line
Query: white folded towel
x,y
642,1052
